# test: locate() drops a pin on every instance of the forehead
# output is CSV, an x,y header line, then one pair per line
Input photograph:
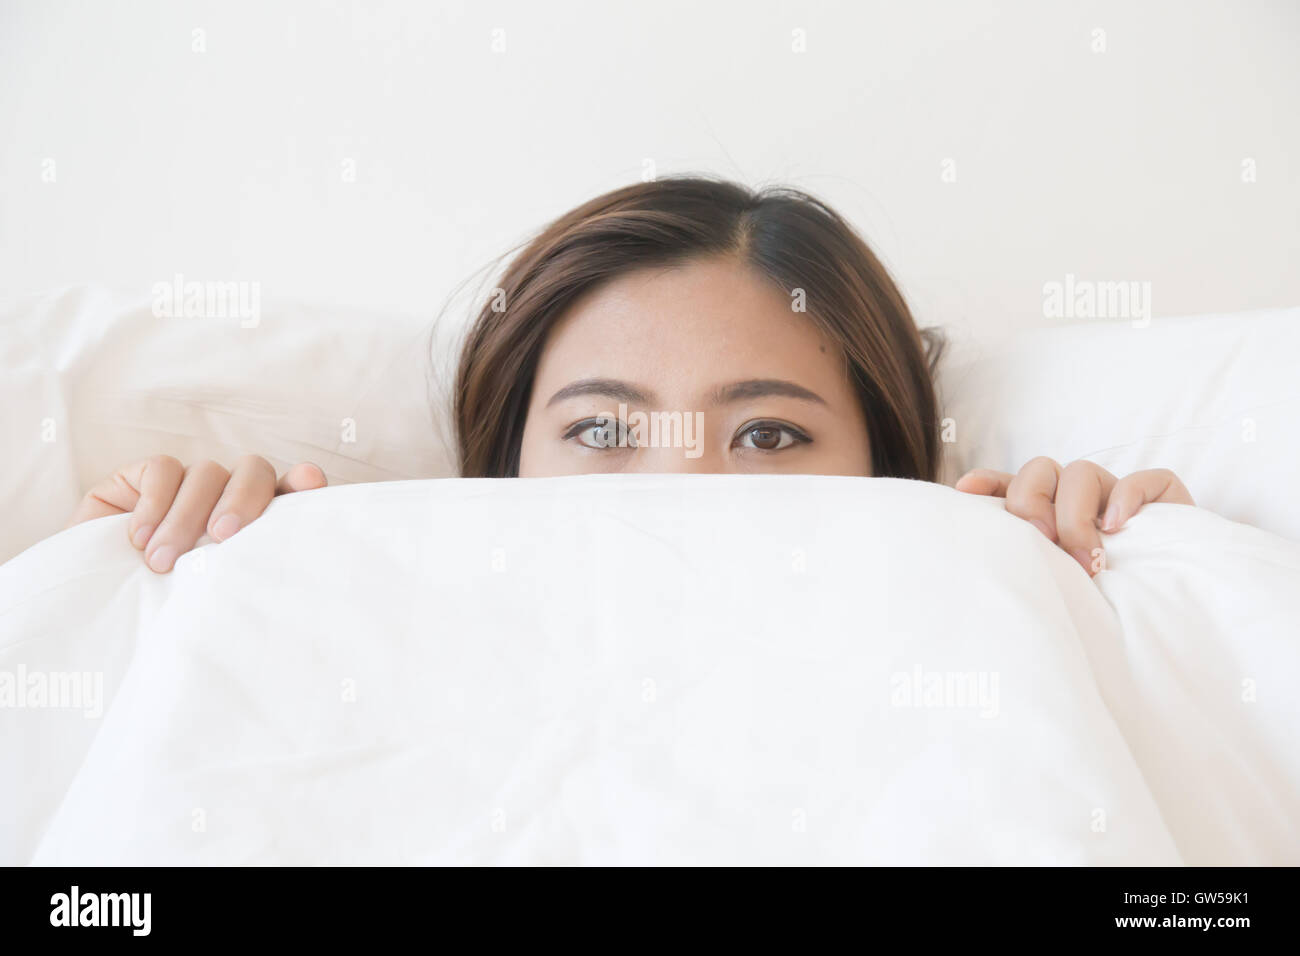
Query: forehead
x,y
688,326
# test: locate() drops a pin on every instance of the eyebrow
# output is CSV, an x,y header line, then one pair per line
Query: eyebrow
x,y
723,395
607,387
763,387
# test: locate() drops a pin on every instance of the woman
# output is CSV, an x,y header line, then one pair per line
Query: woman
x,y
758,325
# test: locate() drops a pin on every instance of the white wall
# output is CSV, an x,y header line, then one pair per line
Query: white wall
x,y
228,164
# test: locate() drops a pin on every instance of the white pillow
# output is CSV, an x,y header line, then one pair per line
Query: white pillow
x,y
92,379
1215,398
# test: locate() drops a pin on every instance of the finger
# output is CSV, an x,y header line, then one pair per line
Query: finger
x,y
1142,488
200,489
303,476
1081,493
114,495
1032,495
984,481
156,479
92,506
249,490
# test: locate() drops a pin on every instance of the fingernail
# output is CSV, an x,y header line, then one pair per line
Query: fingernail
x,y
163,558
226,526
1041,525
1084,557
142,535
1108,522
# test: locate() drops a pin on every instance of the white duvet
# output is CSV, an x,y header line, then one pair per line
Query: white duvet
x,y
629,670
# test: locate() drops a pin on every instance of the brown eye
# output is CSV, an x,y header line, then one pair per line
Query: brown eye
x,y
766,437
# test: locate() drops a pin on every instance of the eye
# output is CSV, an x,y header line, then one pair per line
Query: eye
x,y
601,433
768,436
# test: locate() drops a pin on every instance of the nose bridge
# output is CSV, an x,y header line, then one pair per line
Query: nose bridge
x,y
680,444
675,461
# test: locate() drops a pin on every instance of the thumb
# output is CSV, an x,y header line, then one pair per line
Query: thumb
x,y
985,481
303,476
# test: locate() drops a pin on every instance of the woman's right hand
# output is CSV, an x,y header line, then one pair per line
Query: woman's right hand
x,y
172,505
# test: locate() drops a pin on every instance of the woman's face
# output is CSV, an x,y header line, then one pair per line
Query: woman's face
x,y
701,368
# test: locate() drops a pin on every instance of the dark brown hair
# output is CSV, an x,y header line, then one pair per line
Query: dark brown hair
x,y
792,238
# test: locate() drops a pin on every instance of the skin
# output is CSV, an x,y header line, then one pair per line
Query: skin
x,y
709,337
1073,504
172,506
698,338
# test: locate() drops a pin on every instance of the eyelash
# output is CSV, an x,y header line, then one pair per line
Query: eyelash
x,y
797,436
577,428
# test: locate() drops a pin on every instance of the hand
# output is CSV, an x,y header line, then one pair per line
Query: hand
x,y
172,506
1069,504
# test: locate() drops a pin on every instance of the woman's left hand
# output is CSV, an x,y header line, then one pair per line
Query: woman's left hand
x,y
1071,504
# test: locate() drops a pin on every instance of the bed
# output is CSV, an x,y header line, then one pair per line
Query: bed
x,y
406,667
